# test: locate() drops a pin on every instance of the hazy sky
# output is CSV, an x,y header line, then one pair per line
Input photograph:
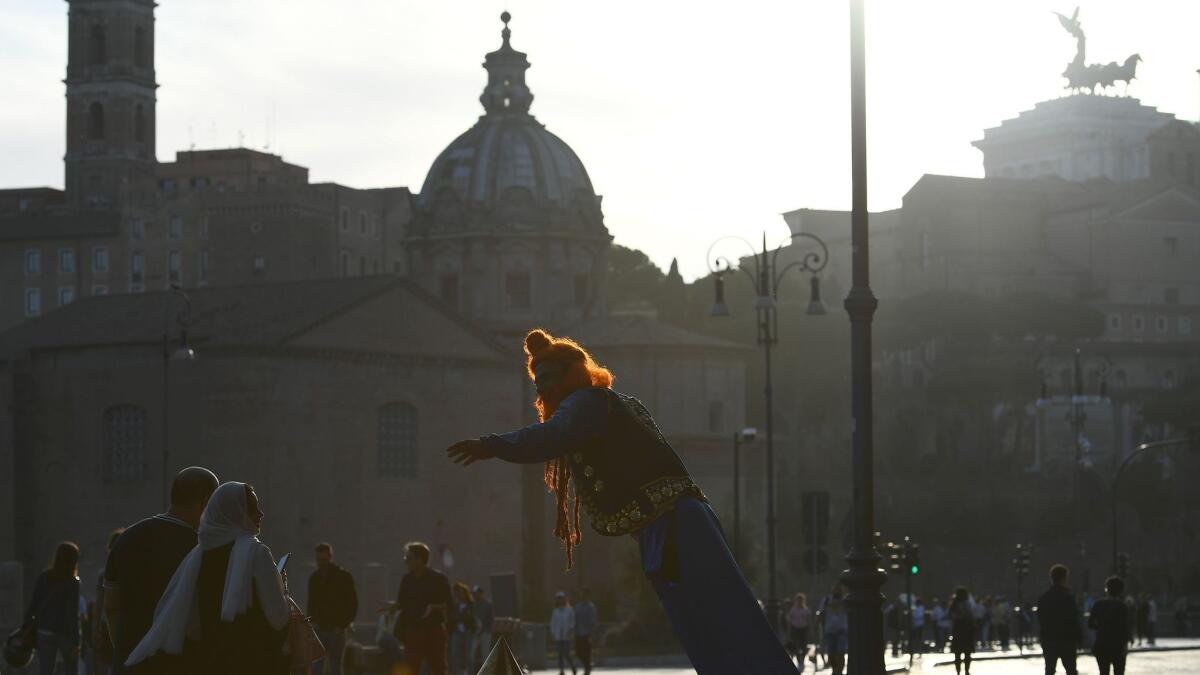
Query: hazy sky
x,y
694,119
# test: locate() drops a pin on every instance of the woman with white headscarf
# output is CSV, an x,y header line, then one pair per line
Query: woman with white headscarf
x,y
226,594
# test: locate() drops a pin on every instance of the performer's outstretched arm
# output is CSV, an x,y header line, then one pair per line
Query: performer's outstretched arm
x,y
577,419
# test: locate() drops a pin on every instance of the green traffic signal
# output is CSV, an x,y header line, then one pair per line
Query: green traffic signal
x,y
915,570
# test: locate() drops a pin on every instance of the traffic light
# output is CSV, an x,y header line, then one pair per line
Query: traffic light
x,y
1021,560
893,554
914,559
1122,565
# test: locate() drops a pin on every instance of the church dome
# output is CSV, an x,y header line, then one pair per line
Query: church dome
x,y
507,171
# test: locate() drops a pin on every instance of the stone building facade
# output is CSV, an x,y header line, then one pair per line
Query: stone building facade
x,y
335,398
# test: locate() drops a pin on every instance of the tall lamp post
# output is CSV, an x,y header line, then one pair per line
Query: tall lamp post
x,y
180,352
746,434
864,579
766,278
1076,418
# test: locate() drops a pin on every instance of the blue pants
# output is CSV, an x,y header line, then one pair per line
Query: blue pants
x,y
714,613
335,652
50,646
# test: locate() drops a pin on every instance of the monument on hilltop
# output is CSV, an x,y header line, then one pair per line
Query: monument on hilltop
x,y
1082,75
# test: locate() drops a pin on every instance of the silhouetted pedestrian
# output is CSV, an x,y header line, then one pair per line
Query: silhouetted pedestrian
x,y
463,627
101,639
1058,617
1181,616
962,628
140,566
1002,620
332,605
798,619
1151,620
1143,618
585,626
55,611
836,629
939,620
229,589
1110,619
486,617
562,629
423,602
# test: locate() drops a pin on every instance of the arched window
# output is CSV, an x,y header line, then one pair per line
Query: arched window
x,y
95,122
124,443
139,124
398,440
98,46
140,53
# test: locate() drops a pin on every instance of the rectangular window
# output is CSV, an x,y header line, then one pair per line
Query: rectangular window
x,y
345,220
100,290
1185,325
518,291
204,227
174,266
66,295
449,290
1160,324
1114,322
33,261
137,288
260,264
397,438
203,266
167,184
66,261
362,266
176,228
22,204
1139,323
581,290
137,229
362,223
925,250
33,301
137,268
1171,296
100,259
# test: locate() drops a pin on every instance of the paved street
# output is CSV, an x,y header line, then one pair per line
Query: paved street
x,y
1140,663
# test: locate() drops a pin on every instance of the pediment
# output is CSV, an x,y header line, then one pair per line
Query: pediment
x,y
1172,205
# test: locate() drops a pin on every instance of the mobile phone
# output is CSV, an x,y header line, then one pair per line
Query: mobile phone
x,y
283,561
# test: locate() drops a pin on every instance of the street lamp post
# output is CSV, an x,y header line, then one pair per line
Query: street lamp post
x,y
864,579
766,278
1077,418
746,434
182,352
1192,440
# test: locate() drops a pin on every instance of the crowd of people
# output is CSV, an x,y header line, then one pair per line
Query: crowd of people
x,y
194,591
1063,623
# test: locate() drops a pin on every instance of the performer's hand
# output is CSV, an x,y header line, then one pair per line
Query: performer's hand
x,y
468,452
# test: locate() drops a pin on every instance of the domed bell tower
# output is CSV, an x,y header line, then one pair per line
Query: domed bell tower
x,y
110,99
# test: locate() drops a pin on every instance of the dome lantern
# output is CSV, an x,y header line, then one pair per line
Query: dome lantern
x,y
506,91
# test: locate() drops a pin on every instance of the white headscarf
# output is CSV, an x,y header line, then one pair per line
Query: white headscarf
x,y
225,520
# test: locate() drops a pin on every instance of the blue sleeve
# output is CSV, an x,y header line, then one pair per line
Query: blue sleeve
x,y
579,418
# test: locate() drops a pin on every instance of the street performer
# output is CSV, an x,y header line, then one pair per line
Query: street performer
x,y
630,481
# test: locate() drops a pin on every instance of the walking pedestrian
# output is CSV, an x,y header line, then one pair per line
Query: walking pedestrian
x,y
1151,620
332,606
1002,620
980,611
836,629
891,617
54,610
423,601
961,613
1181,616
916,641
1143,618
1110,619
462,626
1058,617
101,639
562,629
937,617
585,626
798,618
603,453
485,616
141,564
227,587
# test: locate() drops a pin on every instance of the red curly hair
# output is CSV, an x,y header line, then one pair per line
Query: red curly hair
x,y
581,371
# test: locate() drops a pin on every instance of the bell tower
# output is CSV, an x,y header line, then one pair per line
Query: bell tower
x,y
110,99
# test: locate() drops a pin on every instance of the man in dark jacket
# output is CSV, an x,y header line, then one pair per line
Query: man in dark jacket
x,y
1110,620
332,604
1058,616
